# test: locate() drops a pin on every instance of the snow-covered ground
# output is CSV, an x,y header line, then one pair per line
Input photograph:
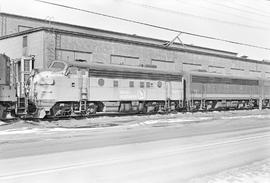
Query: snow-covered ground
x,y
257,172
128,121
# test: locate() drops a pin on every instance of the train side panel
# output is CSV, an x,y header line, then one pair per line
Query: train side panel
x,y
216,91
223,91
3,70
106,89
266,90
7,90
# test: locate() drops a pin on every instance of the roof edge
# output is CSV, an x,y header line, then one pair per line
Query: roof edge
x,y
112,32
131,41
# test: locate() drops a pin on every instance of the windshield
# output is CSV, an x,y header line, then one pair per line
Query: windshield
x,y
57,66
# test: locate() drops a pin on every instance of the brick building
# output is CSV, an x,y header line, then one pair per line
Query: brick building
x,y
47,41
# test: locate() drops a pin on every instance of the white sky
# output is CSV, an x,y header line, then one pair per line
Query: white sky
x,y
246,21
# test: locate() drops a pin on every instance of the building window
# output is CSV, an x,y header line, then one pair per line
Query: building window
x,y
74,55
73,70
141,84
115,83
24,41
101,82
125,60
147,84
23,28
131,84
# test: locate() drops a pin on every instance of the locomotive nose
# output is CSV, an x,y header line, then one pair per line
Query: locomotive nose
x,y
42,91
42,78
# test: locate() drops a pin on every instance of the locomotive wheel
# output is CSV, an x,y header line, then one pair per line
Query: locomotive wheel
x,y
144,110
2,112
92,109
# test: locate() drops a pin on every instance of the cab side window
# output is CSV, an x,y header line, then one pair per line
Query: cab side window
x,y
115,84
141,84
83,71
73,70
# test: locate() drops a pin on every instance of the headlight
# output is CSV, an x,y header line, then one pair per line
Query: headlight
x,y
46,81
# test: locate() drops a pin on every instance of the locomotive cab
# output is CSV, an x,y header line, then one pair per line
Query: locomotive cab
x,y
42,87
58,66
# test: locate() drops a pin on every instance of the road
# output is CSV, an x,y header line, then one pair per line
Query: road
x,y
151,153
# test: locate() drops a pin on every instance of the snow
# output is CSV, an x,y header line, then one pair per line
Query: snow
x,y
248,116
2,123
28,127
257,172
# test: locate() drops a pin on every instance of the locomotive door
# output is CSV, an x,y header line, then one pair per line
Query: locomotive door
x,y
83,84
168,91
184,101
83,81
22,68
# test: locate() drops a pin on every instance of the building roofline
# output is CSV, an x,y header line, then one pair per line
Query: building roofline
x,y
130,41
113,32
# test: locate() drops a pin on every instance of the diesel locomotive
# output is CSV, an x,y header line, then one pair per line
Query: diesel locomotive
x,y
79,89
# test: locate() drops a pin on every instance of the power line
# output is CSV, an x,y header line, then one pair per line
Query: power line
x,y
253,11
199,17
152,25
232,8
253,8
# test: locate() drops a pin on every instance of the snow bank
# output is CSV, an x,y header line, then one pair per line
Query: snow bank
x,y
2,123
258,172
175,120
40,130
131,121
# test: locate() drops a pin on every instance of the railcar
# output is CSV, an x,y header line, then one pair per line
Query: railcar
x,y
13,76
7,89
71,89
265,93
212,91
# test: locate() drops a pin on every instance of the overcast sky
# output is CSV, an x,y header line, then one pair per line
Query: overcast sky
x,y
246,21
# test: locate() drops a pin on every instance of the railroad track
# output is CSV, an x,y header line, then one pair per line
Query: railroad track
x,y
102,114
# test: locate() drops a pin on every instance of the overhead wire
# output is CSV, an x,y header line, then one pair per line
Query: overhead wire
x,y
226,13
152,25
200,17
254,7
252,11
